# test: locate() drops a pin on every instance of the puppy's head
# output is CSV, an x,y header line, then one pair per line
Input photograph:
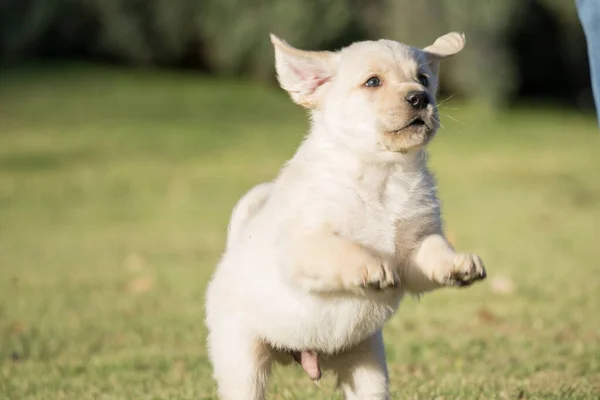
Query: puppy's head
x,y
373,95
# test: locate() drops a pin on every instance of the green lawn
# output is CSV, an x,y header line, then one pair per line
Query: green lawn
x,y
115,191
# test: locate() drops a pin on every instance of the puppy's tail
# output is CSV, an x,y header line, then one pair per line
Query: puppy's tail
x,y
246,208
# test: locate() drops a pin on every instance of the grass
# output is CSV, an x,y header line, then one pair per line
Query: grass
x,y
115,191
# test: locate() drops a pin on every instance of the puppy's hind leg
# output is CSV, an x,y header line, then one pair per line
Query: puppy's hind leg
x,y
241,364
362,372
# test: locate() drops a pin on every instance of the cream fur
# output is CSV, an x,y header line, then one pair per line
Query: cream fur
x,y
320,258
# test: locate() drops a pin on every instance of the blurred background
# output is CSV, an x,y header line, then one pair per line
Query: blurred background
x,y
129,129
518,49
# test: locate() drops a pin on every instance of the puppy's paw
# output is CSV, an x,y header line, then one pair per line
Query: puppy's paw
x,y
466,269
378,274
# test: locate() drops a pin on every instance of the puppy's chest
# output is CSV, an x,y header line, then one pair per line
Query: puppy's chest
x,y
385,200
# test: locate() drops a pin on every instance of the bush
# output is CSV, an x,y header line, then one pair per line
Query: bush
x,y
509,49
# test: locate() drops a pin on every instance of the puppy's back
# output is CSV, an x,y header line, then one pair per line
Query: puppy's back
x,y
246,208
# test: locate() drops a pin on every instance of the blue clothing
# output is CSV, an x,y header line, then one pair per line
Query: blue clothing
x,y
589,15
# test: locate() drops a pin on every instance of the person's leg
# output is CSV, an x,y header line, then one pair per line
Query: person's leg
x,y
589,14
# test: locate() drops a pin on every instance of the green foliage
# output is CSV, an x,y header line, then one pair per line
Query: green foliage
x,y
134,31
230,37
140,31
22,24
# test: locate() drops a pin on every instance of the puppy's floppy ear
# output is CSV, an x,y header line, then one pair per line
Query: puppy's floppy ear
x,y
446,46
302,73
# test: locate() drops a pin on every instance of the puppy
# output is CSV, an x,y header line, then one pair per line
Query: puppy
x,y
319,259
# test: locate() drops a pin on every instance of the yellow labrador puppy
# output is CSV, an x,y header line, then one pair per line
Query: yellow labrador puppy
x,y
318,259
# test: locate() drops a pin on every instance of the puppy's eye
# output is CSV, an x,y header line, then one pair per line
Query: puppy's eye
x,y
373,82
423,80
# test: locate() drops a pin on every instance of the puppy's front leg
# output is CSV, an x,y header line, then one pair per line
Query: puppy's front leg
x,y
323,261
434,263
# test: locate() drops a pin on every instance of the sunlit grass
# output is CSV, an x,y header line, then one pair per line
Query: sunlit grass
x,y
116,187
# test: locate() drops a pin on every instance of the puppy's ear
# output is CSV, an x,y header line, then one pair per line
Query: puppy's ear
x,y
303,74
446,46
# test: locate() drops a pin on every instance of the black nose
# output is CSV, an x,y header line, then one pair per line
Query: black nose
x,y
418,100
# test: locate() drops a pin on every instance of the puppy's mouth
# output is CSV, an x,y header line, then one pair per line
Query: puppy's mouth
x,y
417,122
412,135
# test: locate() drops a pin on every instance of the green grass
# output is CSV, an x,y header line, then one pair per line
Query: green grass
x,y
115,191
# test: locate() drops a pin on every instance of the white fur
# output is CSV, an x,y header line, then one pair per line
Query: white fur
x,y
345,211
